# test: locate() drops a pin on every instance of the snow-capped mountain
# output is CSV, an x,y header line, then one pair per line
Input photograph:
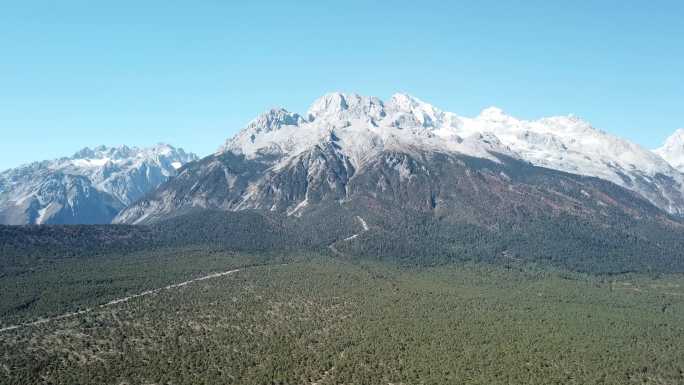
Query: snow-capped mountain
x,y
348,146
570,144
91,186
361,127
673,150
364,126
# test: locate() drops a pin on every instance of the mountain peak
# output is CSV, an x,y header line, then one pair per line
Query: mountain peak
x,y
330,102
409,103
102,151
122,152
341,106
273,119
493,114
676,140
163,147
673,149
405,101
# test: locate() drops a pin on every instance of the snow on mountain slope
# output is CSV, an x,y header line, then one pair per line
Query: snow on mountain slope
x,y
91,186
673,150
362,127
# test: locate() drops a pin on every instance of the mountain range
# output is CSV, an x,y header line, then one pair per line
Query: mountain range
x,y
90,187
284,161
288,162
395,179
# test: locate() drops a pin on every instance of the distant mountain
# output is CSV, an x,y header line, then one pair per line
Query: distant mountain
x,y
673,150
91,186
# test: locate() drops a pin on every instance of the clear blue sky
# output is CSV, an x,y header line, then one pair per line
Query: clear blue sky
x,y
192,73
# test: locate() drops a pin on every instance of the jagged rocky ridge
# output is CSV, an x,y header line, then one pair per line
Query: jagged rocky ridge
x,y
91,186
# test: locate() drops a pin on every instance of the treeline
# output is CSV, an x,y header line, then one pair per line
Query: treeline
x,y
612,245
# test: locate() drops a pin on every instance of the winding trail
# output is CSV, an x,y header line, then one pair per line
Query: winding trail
x,y
117,301
365,228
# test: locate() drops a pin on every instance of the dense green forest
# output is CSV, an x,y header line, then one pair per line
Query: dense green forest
x,y
397,298
326,321
400,235
69,284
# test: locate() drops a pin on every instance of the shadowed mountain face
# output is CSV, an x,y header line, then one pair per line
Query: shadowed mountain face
x,y
61,198
464,188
